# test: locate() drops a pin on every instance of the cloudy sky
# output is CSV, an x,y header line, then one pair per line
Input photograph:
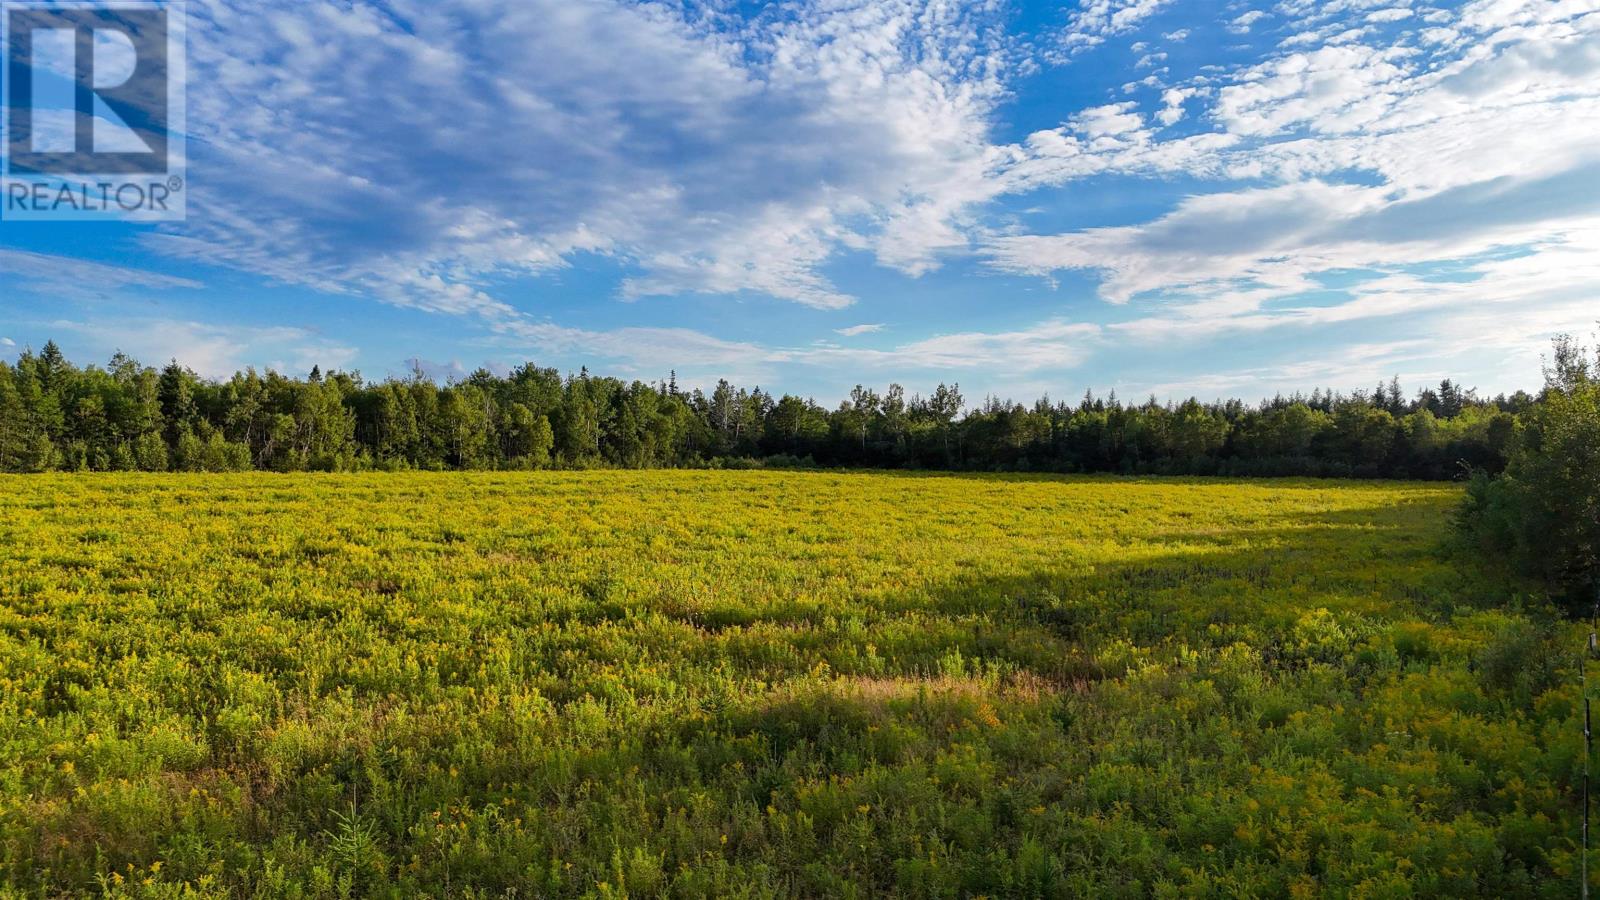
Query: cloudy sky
x,y
1167,196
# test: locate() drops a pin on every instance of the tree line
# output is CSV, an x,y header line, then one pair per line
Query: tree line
x,y
1542,513
55,416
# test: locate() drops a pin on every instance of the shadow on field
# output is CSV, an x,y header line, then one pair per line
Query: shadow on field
x,y
1200,586
1070,478
801,769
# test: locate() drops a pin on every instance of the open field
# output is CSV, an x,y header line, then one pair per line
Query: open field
x,y
769,684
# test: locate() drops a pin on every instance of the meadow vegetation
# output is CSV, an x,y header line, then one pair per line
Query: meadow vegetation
x,y
768,684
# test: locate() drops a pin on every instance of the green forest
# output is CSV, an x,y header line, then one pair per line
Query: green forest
x,y
56,416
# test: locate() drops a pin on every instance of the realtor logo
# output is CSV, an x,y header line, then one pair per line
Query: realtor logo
x,y
93,110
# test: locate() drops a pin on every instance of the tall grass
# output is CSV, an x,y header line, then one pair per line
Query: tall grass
x,y
769,684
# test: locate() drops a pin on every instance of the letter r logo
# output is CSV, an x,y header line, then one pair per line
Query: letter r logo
x,y
80,104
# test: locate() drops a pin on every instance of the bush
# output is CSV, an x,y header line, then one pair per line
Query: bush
x,y
1544,513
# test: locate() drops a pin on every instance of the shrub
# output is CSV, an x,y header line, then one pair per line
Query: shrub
x,y
1544,513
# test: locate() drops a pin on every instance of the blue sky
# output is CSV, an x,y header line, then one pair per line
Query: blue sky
x,y
1151,196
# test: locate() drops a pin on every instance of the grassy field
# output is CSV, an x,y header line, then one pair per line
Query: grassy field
x,y
769,685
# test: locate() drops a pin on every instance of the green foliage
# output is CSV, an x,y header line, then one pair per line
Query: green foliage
x,y
124,417
768,684
1544,512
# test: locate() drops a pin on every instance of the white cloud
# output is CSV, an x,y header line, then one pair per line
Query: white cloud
x,y
1208,239
1058,156
858,330
1109,121
214,351
1241,24
502,143
1483,162
52,278
1394,14
1275,239
1357,365
647,352
1096,20
1321,89
1495,339
1172,101
7,342
1049,345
